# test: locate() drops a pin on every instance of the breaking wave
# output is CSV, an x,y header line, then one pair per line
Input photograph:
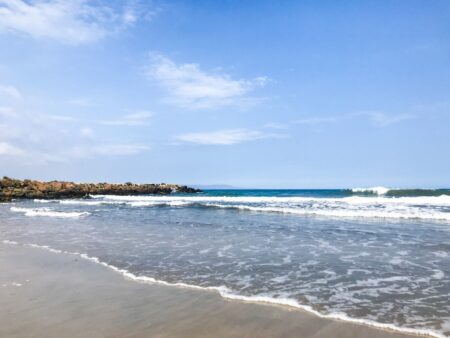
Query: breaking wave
x,y
48,212
391,192
418,207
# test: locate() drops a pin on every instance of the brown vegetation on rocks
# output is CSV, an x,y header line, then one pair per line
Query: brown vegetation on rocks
x,y
17,189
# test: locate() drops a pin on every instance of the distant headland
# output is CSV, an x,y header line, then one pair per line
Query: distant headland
x,y
30,189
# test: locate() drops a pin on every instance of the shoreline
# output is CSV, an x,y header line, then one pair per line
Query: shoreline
x,y
282,310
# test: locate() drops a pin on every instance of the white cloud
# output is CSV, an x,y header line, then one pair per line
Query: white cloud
x,y
382,119
67,21
7,112
109,150
225,137
31,138
10,150
62,118
136,119
318,120
377,118
81,102
129,16
275,125
10,91
190,87
87,132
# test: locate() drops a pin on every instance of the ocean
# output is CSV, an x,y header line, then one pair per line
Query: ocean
x,y
377,256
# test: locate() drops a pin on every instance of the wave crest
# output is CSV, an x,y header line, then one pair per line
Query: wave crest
x,y
48,212
374,190
395,192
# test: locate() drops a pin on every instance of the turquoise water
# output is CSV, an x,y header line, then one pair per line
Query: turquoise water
x,y
375,191
379,255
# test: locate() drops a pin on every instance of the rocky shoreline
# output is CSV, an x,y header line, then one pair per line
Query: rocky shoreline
x,y
29,189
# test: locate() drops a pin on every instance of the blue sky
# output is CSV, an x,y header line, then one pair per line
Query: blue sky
x,y
289,94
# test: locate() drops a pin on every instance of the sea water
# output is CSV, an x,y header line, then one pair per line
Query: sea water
x,y
376,256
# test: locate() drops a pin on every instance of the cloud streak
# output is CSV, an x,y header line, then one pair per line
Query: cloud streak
x,y
10,91
377,118
38,139
225,137
317,120
108,150
10,150
139,118
188,86
381,119
67,21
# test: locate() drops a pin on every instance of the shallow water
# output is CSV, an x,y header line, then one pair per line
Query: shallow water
x,y
373,257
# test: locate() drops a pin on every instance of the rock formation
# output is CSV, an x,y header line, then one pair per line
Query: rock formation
x,y
18,189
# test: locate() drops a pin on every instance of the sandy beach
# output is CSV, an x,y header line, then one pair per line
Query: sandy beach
x,y
44,294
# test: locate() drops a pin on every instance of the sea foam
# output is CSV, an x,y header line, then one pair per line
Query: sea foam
x,y
420,207
48,212
229,294
374,190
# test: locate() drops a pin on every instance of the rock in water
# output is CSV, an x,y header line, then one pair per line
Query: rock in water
x,y
17,189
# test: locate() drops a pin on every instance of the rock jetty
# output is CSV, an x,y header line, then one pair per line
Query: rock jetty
x,y
30,189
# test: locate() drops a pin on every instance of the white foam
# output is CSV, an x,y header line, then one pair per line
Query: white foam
x,y
443,200
174,203
80,202
421,207
346,213
43,201
15,284
396,261
441,254
438,274
375,190
47,212
10,242
228,294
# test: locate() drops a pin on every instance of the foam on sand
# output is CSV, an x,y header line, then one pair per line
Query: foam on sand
x,y
228,294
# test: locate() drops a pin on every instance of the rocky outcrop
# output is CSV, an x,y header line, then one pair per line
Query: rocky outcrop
x,y
18,189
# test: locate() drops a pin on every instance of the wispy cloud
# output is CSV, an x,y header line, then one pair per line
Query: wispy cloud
x,y
62,118
109,150
225,137
10,150
24,156
136,119
87,132
81,102
275,125
377,118
190,87
317,120
32,138
67,21
7,112
381,119
10,91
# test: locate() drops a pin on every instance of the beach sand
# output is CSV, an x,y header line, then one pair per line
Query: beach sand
x,y
45,294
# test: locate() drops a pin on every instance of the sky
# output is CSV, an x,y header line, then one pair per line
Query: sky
x,y
258,94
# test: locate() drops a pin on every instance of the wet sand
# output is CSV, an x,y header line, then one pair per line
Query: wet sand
x,y
43,294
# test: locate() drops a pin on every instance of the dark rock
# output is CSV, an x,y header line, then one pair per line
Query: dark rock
x,y
29,189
